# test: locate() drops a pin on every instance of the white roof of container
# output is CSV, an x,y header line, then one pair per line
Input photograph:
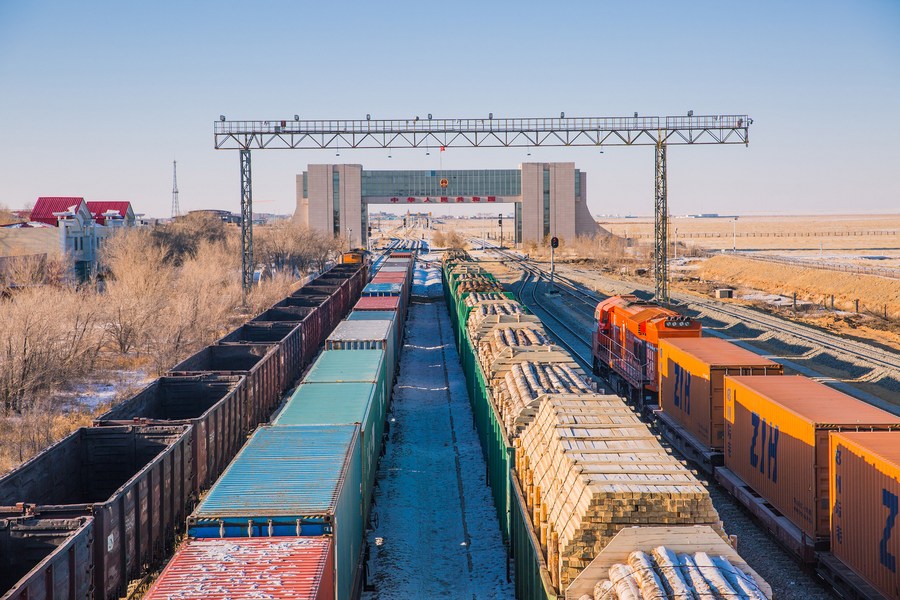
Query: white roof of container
x,y
361,330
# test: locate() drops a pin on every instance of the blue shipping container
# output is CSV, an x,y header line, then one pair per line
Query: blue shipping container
x,y
380,315
292,481
351,366
341,403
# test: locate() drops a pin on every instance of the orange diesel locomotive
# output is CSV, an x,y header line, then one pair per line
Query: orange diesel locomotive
x,y
625,343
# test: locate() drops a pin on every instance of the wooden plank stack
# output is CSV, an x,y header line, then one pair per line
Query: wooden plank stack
x,y
473,282
510,336
518,395
480,325
588,467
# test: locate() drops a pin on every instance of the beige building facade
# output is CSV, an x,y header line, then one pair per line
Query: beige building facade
x,y
550,199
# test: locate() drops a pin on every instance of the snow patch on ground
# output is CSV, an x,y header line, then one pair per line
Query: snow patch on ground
x,y
104,388
435,532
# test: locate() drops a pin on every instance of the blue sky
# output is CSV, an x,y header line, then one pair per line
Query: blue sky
x,y
97,98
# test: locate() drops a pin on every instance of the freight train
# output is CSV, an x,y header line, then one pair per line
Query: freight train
x,y
572,472
819,468
92,513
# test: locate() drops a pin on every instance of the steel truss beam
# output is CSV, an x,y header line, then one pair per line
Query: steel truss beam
x,y
661,229
246,225
481,133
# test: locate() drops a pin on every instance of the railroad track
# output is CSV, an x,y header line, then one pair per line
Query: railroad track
x,y
885,361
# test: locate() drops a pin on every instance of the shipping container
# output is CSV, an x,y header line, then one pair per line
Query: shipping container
x,y
351,366
379,303
134,482
380,315
776,441
46,558
340,404
294,481
288,335
275,568
213,404
257,362
366,335
383,289
692,383
864,492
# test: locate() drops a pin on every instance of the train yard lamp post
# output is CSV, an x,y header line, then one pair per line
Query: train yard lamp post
x,y
368,133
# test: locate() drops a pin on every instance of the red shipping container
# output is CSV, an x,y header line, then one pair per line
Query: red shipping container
x,y
776,441
276,567
864,492
390,277
378,303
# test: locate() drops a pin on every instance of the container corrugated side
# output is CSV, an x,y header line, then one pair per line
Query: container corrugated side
x,y
383,289
342,403
278,567
293,481
776,441
864,492
340,366
692,383
365,335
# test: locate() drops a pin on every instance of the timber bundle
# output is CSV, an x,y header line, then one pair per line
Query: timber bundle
x,y
664,574
472,282
588,467
508,337
476,297
526,382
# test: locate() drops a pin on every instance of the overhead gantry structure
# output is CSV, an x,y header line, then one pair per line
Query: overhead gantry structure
x,y
427,132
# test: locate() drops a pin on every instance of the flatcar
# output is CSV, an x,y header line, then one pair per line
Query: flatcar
x,y
625,343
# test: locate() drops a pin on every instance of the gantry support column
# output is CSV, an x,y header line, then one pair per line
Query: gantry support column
x,y
246,225
661,227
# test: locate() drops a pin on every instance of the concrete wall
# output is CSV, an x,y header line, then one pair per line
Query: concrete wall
x,y
532,202
584,220
562,200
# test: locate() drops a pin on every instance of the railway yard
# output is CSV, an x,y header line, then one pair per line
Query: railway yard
x,y
459,406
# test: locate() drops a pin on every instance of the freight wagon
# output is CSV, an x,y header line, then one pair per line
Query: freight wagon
x,y
258,363
213,405
134,481
105,504
776,443
46,557
287,335
551,491
293,481
692,393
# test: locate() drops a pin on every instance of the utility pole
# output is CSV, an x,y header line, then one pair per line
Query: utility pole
x,y
176,211
661,222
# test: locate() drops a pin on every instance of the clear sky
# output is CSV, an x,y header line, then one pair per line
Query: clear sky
x,y
97,98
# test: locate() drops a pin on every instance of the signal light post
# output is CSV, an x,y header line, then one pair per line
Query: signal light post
x,y
500,222
554,244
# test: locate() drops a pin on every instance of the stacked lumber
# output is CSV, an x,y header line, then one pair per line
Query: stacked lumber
x,y
509,336
480,326
476,297
588,467
518,394
664,574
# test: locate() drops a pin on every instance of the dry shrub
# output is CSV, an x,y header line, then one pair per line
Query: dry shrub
x,y
454,241
27,271
289,247
38,425
438,239
47,335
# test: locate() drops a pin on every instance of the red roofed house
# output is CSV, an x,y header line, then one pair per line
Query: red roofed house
x,y
112,213
83,226
46,209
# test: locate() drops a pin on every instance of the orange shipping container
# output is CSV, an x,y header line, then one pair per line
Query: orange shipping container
x,y
776,441
864,492
692,382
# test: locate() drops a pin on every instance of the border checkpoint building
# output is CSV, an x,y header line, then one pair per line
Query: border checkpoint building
x,y
550,199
